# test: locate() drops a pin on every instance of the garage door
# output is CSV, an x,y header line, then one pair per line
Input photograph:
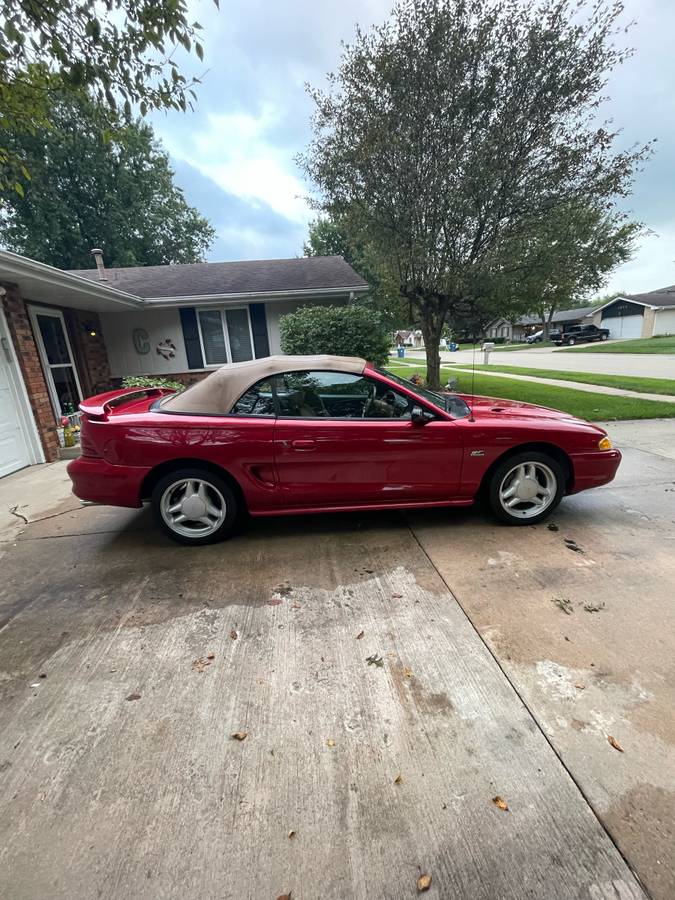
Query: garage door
x,y
624,326
14,451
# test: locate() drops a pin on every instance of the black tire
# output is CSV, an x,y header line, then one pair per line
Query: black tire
x,y
603,337
571,342
501,472
217,490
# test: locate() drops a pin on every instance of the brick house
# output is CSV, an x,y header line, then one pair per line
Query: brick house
x,y
67,335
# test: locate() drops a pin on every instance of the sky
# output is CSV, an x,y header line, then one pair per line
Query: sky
x,y
234,156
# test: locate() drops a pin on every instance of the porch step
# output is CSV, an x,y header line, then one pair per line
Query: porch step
x,y
69,452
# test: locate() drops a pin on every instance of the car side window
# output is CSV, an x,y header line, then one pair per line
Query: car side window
x,y
257,401
338,395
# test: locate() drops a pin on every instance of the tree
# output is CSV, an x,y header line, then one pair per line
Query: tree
x,y
328,238
339,330
120,49
451,134
91,186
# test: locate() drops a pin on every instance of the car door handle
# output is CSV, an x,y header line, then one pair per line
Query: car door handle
x,y
303,444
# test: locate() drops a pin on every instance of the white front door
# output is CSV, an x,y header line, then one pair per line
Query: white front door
x,y
15,444
57,359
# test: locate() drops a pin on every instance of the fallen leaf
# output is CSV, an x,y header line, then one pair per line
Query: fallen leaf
x,y
133,697
330,742
594,607
234,635
375,660
291,834
359,636
398,779
407,671
564,604
423,883
397,596
284,896
274,602
572,545
500,802
296,606
613,741
240,735
580,686
42,675
210,655
552,526
200,664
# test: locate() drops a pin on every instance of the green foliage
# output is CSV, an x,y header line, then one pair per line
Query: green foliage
x,y
143,381
339,330
121,50
328,238
97,180
453,133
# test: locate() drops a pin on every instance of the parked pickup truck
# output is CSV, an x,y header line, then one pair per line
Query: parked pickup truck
x,y
578,334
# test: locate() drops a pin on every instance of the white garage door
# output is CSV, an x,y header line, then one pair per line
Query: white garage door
x,y
14,450
624,326
665,322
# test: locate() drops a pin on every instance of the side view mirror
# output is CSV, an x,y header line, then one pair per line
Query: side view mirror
x,y
419,416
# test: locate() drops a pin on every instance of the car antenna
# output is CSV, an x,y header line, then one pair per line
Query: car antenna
x,y
473,380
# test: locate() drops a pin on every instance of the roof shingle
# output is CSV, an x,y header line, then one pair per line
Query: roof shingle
x,y
307,273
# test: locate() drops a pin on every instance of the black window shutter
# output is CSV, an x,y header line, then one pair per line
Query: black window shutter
x,y
193,347
261,342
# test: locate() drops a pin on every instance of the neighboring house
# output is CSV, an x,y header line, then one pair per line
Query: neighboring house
x,y
413,339
630,316
67,335
639,315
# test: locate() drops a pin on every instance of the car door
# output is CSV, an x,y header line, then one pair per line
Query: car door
x,y
342,439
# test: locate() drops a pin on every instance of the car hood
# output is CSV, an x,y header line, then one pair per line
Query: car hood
x,y
492,408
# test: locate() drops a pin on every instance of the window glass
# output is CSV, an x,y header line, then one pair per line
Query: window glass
x,y
451,403
338,395
239,334
213,337
54,340
257,401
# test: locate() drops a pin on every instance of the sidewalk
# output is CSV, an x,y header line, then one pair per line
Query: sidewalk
x,y
32,494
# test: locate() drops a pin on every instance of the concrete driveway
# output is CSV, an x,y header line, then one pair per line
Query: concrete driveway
x,y
647,365
393,676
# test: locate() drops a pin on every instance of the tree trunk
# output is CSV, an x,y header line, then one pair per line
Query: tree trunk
x,y
432,326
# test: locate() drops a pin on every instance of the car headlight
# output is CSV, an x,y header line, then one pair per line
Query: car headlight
x,y
604,443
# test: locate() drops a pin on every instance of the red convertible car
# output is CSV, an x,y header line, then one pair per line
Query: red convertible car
x,y
300,434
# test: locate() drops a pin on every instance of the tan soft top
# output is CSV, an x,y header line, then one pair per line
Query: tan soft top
x,y
218,392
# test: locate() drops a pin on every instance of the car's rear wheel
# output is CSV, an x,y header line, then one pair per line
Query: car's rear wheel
x,y
194,506
526,488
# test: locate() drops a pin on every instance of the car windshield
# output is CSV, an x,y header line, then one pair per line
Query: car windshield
x,y
450,403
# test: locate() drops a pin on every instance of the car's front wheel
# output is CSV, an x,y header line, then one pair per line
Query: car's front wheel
x,y
526,488
571,342
194,506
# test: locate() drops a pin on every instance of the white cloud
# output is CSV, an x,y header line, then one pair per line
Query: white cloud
x,y
652,267
236,151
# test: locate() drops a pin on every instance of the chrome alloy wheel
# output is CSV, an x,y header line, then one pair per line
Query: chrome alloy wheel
x,y
527,490
193,507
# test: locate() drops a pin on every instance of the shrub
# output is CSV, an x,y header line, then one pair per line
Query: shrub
x,y
132,381
339,330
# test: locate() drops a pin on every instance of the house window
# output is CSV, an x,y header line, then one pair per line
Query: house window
x,y
225,335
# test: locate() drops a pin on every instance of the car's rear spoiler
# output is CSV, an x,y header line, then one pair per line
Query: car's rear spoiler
x,y
100,405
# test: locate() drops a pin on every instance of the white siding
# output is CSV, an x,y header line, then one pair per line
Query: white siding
x,y
160,325
664,321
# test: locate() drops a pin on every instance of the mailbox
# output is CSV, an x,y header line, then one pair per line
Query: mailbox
x,y
488,347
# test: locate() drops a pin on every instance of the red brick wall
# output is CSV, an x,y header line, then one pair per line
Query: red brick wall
x,y
91,356
33,376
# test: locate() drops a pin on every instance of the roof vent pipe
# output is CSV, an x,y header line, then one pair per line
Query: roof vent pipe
x,y
98,256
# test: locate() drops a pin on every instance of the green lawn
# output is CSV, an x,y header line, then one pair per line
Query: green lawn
x,y
506,347
627,382
595,407
641,345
